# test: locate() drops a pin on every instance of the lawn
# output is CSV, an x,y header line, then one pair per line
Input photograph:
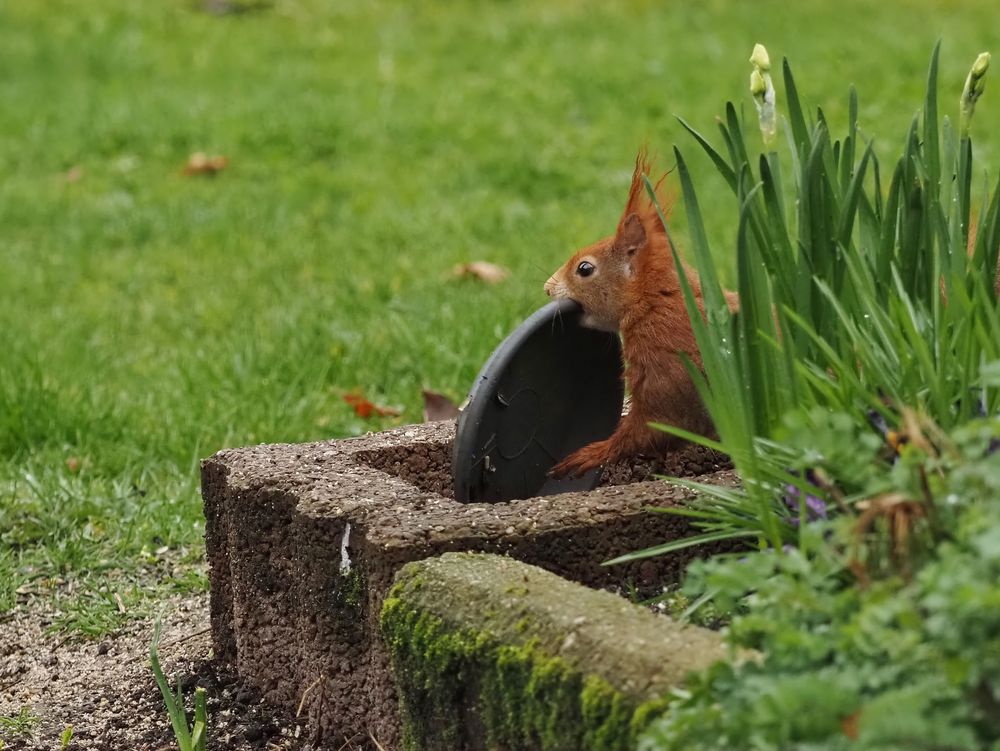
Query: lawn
x,y
151,318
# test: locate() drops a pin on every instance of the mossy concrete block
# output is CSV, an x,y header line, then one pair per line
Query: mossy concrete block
x,y
303,542
489,652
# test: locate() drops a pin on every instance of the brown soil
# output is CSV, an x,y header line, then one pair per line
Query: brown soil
x,y
106,691
428,466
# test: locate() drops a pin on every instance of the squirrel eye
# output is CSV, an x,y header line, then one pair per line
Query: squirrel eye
x,y
586,268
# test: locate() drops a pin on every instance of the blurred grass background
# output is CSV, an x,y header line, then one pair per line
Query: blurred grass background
x,y
149,319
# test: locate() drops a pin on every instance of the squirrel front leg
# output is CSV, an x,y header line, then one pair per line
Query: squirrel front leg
x,y
631,437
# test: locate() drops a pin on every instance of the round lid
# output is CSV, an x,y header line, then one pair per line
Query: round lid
x,y
551,387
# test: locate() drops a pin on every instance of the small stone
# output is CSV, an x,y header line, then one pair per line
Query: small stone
x,y
104,647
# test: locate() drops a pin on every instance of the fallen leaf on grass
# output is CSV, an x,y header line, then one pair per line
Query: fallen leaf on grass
x,y
482,270
73,464
200,163
438,407
849,726
235,7
365,408
73,174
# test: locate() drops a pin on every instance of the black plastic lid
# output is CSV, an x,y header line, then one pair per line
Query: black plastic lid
x,y
551,387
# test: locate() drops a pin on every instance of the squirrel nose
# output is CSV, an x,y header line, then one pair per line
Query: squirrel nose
x,y
549,285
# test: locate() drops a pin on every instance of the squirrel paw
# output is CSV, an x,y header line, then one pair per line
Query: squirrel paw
x,y
581,461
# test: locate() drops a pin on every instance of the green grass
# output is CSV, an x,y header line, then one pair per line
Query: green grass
x,y
189,737
149,319
17,726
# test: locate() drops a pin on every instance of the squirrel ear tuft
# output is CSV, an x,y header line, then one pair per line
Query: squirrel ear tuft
x,y
631,234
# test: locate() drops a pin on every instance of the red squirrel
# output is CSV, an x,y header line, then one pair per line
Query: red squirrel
x,y
628,283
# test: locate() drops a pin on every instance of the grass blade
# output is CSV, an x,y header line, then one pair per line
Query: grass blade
x,y
675,545
800,133
725,170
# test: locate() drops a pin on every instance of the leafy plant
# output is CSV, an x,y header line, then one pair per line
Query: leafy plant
x,y
901,663
191,738
859,304
860,376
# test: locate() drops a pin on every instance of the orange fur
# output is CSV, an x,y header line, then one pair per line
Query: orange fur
x,y
634,289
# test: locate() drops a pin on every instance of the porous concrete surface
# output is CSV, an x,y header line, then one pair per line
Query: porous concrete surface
x,y
303,542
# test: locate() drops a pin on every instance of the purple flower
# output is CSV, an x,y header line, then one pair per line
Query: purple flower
x,y
815,507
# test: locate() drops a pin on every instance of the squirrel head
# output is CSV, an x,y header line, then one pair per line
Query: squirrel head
x,y
599,276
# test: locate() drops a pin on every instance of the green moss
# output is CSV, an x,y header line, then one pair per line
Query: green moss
x,y
351,589
425,659
646,712
522,696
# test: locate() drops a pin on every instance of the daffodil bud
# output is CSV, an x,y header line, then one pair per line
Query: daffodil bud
x,y
762,91
760,58
975,84
981,65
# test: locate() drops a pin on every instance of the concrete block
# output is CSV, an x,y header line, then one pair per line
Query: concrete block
x,y
303,542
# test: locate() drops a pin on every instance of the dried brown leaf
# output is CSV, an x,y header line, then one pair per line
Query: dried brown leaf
x,y
849,725
365,408
235,7
900,515
482,270
199,163
438,407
